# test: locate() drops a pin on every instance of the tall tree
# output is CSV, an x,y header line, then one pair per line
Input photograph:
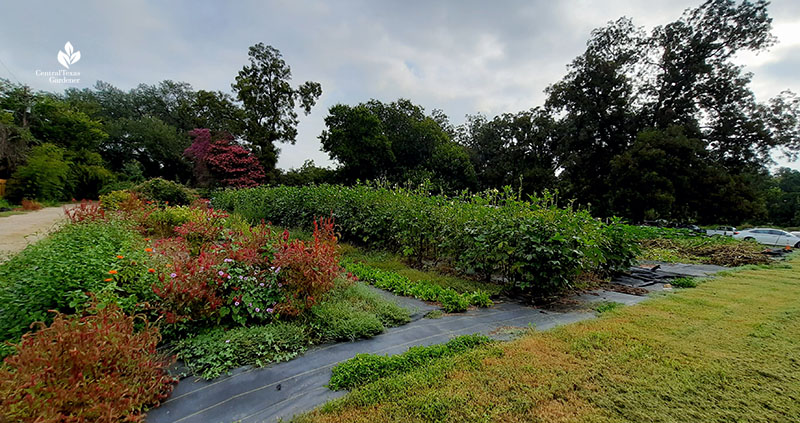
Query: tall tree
x,y
269,102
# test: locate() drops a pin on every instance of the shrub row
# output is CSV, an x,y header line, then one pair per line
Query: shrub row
x,y
532,243
366,368
451,300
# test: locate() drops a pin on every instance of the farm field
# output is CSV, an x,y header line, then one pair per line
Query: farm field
x,y
724,351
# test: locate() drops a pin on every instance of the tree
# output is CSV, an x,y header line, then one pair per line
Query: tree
x,y
45,176
355,138
269,102
517,149
596,99
223,163
157,146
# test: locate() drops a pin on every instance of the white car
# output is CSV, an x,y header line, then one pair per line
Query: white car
x,y
769,236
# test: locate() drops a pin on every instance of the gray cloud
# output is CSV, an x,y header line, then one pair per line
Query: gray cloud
x,y
460,56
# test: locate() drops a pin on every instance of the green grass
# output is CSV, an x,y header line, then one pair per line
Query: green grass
x,y
393,262
724,351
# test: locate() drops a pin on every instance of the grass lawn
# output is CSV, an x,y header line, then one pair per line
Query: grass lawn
x,y
728,350
393,262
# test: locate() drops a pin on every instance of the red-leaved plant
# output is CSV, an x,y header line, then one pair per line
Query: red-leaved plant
x,y
86,211
308,269
188,288
91,368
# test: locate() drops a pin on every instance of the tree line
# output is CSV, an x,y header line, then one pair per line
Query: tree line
x,y
657,124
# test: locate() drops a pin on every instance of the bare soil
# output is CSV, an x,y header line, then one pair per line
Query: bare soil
x,y
20,230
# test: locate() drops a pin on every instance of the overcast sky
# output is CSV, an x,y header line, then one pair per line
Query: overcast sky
x,y
459,56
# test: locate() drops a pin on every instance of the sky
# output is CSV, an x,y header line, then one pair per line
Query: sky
x,y
461,56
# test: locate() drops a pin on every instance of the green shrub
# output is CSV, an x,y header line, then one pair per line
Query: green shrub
x,y
684,282
366,368
354,312
533,244
45,176
56,272
215,352
451,300
164,191
111,201
161,222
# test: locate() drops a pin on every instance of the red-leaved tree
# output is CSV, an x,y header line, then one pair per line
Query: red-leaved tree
x,y
222,162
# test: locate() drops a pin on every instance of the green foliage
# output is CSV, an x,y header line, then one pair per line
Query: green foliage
x,y
164,191
353,312
533,244
45,176
606,306
217,351
88,175
684,282
56,272
112,200
451,300
366,368
269,101
161,222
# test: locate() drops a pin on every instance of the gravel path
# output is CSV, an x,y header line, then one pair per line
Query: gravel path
x,y
19,230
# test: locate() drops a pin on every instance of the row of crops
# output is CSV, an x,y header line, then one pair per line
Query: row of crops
x,y
532,244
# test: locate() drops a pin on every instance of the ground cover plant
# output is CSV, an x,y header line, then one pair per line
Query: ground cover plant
x,y
450,300
366,368
443,277
679,357
532,244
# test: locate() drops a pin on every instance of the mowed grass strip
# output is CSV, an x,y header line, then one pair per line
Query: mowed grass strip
x,y
728,350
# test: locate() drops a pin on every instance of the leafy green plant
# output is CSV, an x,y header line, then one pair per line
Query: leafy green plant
x,y
164,191
451,300
366,368
54,273
217,351
684,282
44,177
606,306
352,312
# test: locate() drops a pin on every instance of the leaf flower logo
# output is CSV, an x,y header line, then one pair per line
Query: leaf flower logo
x,y
68,57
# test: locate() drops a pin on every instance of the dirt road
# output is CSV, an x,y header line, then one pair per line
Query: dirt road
x,y
17,231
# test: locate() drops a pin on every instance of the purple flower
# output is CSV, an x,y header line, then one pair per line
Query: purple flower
x,y
261,284
278,269
220,273
241,277
269,310
236,303
250,304
228,260
227,341
258,309
229,276
173,275
280,285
